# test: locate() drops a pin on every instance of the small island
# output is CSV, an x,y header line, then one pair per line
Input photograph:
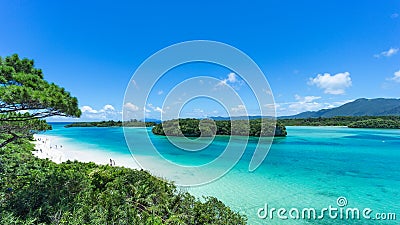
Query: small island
x,y
112,123
208,128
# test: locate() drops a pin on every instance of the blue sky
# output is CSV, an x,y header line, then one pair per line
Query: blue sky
x,y
314,54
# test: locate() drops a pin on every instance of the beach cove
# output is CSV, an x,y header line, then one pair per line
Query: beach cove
x,y
312,167
61,149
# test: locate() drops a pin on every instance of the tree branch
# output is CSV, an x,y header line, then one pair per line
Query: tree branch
x,y
39,115
13,138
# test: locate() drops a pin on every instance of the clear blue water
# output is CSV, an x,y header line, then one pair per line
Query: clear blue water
x,y
311,167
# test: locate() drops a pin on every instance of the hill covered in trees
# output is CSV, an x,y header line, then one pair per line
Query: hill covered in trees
x,y
208,127
359,107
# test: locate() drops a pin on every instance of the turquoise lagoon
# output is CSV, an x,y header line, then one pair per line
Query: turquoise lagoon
x,y
310,168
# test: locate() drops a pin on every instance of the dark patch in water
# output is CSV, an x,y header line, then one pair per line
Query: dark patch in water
x,y
327,194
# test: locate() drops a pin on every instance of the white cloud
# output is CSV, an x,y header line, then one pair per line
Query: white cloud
x,y
88,109
306,103
108,112
334,85
146,110
155,108
232,78
158,109
239,109
267,91
134,83
109,108
198,110
160,92
396,76
305,106
199,113
131,107
388,53
394,15
272,106
223,82
306,99
337,103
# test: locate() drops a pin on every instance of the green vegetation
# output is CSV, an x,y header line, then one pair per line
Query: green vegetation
x,y
376,123
26,98
111,123
37,191
208,127
350,121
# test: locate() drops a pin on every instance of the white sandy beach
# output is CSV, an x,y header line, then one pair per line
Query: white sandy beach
x,y
59,149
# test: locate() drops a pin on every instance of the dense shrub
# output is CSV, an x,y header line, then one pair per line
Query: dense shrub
x,y
36,191
206,127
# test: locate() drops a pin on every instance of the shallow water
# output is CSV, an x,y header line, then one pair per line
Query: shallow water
x,y
311,167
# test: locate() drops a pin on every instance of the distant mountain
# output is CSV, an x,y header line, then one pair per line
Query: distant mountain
x,y
152,120
359,107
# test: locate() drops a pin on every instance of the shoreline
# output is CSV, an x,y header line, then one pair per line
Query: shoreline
x,y
60,149
83,152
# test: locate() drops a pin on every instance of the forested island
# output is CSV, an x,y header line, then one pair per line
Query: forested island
x,y
38,191
208,127
391,122
112,123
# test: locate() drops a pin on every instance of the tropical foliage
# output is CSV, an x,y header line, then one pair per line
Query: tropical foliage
x,y
26,98
36,191
376,123
350,121
208,127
